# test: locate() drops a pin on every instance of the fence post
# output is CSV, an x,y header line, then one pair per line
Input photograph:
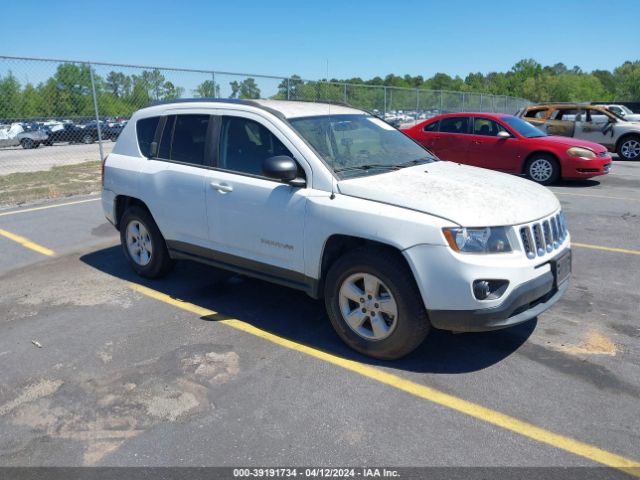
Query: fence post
x,y
95,106
463,107
213,79
385,100
441,101
288,88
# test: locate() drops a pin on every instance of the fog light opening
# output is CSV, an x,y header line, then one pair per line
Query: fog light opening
x,y
489,289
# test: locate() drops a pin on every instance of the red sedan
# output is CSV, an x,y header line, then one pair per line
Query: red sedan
x,y
509,144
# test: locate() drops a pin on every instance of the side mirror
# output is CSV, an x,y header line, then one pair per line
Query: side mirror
x,y
281,168
503,134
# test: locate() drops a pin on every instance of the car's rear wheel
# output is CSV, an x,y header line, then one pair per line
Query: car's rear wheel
x,y
374,304
27,143
143,244
543,169
629,148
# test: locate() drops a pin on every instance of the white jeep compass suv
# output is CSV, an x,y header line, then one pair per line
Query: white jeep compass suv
x,y
335,202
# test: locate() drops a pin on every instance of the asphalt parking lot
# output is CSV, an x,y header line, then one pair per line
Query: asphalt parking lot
x,y
100,367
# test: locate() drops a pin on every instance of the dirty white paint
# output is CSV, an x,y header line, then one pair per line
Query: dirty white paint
x,y
469,196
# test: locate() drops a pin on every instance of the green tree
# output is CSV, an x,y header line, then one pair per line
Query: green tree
x,y
247,88
10,97
207,89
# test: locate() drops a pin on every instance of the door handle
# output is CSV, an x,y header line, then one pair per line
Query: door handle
x,y
222,187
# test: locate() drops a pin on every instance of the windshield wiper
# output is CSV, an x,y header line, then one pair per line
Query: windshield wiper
x,y
411,163
368,166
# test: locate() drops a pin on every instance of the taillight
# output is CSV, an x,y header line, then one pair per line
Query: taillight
x,y
104,160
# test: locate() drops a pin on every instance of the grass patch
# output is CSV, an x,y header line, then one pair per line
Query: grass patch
x,y
60,181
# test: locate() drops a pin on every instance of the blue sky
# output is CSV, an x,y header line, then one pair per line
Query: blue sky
x,y
356,38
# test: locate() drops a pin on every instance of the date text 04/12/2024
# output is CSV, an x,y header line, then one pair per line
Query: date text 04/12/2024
x,y
315,472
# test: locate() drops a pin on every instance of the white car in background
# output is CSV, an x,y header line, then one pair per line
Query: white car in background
x,y
624,112
15,134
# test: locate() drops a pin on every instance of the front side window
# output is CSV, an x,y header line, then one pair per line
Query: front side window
x,y
486,127
354,145
245,145
454,125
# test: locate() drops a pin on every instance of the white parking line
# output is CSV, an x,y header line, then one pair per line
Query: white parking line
x,y
26,210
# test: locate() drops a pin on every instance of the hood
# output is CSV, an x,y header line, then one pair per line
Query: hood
x,y
572,142
468,196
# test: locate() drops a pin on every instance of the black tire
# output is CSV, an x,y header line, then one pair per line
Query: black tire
x,y
160,262
628,148
542,168
87,139
27,143
411,325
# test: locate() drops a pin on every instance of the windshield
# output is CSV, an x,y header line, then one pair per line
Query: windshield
x,y
523,128
354,145
625,109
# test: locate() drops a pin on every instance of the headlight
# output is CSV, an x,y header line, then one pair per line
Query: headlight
x,y
581,152
478,240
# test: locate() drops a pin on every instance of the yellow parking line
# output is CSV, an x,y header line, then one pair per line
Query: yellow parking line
x,y
479,412
596,196
15,212
26,243
605,249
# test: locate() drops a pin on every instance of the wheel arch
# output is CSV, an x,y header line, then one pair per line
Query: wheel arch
x,y
625,137
338,245
541,152
122,202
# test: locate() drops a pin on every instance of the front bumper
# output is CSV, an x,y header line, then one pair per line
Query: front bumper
x,y
574,169
525,302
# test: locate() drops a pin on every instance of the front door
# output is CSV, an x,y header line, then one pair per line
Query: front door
x,y
487,150
253,219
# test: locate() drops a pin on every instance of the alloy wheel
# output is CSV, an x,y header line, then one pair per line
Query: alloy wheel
x,y
139,243
367,306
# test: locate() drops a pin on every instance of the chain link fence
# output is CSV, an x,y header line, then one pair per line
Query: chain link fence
x,y
58,118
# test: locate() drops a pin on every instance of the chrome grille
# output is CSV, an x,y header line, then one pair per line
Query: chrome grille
x,y
548,241
543,237
527,243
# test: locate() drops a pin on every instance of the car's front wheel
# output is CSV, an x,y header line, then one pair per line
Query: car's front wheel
x,y
27,143
143,244
542,169
629,148
87,139
374,304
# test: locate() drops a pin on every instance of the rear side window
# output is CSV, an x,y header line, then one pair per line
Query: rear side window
x,y
146,130
184,138
454,125
189,139
167,135
432,127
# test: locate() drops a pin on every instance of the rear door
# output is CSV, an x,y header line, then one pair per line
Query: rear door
x,y
427,135
174,178
563,121
487,150
453,139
